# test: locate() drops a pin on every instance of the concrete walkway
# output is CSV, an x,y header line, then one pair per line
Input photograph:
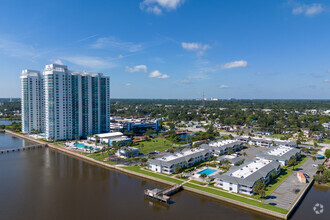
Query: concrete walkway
x,y
286,193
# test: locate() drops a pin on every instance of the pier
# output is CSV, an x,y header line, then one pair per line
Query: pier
x,y
163,195
30,147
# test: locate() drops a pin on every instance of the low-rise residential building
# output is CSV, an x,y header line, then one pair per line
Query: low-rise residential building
x,y
127,152
184,159
242,179
233,160
281,154
265,142
223,146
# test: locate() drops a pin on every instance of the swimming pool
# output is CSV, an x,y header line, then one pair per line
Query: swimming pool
x,y
207,171
80,145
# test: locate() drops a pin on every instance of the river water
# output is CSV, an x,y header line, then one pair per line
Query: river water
x,y
45,184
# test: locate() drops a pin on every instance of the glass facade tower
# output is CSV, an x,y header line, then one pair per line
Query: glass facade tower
x,y
74,104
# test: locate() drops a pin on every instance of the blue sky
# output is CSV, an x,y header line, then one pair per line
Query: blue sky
x,y
173,48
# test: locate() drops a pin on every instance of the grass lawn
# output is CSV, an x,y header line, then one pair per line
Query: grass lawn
x,y
159,176
326,141
159,144
238,198
197,182
285,173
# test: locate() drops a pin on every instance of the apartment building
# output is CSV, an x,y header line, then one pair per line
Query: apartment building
x,y
31,102
242,179
73,104
223,147
185,159
281,154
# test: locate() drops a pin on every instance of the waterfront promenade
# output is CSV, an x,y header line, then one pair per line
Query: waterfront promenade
x,y
205,191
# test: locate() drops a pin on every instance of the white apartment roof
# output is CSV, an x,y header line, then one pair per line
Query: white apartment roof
x,y
250,168
279,151
222,143
170,157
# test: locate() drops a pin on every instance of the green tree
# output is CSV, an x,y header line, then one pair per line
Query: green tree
x,y
259,188
178,169
244,154
327,153
203,175
149,132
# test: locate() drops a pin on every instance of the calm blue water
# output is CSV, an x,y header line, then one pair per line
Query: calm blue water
x,y
207,171
80,145
184,136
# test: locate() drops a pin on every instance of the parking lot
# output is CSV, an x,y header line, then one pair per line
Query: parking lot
x,y
252,151
284,195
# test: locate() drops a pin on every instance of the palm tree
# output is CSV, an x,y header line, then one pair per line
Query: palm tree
x,y
314,158
320,168
244,154
90,149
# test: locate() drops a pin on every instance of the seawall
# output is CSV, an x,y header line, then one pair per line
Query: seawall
x,y
124,171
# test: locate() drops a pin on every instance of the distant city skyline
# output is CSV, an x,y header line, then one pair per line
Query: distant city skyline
x,y
174,49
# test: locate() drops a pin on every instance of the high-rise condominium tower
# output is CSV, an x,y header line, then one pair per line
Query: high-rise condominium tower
x,y
74,104
31,101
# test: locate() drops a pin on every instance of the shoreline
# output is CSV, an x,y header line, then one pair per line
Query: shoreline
x,y
239,204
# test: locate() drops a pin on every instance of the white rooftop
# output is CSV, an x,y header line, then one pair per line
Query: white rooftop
x,y
108,135
222,143
250,168
279,151
180,154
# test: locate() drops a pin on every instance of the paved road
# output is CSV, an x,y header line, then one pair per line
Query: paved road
x,y
286,193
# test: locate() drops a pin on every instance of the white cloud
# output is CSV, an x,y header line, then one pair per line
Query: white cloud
x,y
223,86
95,63
194,46
328,70
327,81
157,6
109,42
159,75
308,10
138,68
189,79
235,64
57,61
155,9
120,56
128,84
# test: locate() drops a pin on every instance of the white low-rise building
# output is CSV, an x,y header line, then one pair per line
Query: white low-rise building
x,y
281,154
110,138
185,159
127,152
242,179
223,146
265,142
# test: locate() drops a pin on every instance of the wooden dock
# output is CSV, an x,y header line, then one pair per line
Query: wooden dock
x,y
164,194
30,147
